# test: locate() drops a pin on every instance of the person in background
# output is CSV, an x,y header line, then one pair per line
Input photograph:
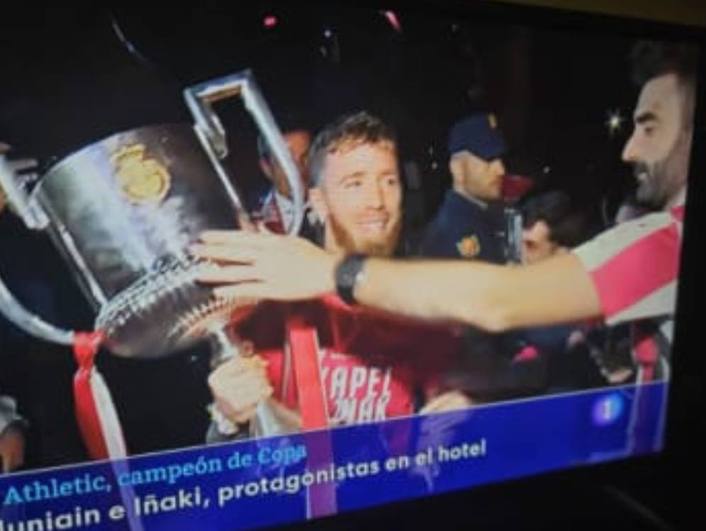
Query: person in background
x,y
469,221
372,367
276,208
597,280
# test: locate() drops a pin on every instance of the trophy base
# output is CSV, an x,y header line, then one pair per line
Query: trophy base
x,y
165,312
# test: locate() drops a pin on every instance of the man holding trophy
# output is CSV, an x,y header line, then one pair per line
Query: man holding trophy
x,y
372,367
597,280
122,211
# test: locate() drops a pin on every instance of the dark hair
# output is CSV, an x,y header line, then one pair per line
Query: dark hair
x,y
650,59
358,128
566,226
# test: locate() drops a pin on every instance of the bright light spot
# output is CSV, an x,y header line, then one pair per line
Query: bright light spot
x,y
391,17
270,21
614,122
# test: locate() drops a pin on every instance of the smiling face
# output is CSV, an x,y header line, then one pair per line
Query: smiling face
x,y
359,197
659,146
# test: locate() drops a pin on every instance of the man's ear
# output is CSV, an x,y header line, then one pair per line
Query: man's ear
x,y
456,167
318,203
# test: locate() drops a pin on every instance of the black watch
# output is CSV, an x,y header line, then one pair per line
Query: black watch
x,y
348,273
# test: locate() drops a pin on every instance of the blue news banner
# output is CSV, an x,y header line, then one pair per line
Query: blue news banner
x,y
284,479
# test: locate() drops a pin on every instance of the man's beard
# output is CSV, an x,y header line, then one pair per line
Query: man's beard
x,y
652,190
347,242
664,178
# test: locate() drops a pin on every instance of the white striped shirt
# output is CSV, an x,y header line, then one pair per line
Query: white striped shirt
x,y
634,268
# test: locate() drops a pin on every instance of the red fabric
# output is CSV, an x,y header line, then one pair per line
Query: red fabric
x,y
640,269
515,186
303,344
371,364
271,215
86,345
646,354
678,213
527,353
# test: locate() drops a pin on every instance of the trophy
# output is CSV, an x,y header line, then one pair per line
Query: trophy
x,y
124,210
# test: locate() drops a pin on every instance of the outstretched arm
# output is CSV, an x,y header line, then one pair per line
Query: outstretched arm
x,y
491,297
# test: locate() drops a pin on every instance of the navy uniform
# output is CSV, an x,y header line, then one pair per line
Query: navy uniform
x,y
466,227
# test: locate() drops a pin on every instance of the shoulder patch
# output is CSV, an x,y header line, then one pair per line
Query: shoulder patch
x,y
468,246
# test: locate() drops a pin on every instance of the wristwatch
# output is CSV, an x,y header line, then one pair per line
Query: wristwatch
x,y
349,272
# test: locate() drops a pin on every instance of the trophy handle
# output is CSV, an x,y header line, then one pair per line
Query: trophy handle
x,y
34,218
213,136
29,211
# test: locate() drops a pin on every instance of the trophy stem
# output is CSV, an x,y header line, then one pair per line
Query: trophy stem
x,y
269,419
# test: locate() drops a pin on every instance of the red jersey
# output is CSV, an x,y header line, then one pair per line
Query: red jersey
x,y
372,366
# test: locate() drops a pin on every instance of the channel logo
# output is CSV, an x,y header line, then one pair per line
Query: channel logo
x,y
608,409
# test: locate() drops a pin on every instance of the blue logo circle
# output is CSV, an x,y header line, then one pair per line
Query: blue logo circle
x,y
608,409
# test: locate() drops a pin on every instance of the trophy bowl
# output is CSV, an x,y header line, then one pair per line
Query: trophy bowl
x,y
123,211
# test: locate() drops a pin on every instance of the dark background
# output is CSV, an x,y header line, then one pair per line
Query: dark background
x,y
72,77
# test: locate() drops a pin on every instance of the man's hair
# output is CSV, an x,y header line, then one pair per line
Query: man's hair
x,y
566,226
650,59
347,131
288,122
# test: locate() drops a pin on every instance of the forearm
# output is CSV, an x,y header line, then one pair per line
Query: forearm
x,y
494,298
448,290
487,296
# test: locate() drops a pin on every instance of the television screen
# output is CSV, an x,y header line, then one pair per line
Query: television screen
x,y
267,265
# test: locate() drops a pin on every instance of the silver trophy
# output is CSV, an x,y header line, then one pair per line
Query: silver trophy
x,y
123,212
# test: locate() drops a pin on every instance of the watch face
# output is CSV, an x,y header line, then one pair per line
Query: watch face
x,y
347,275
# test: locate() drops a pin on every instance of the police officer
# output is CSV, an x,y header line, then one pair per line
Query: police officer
x,y
469,224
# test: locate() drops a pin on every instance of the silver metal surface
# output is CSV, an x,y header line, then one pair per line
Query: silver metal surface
x,y
128,246
513,235
18,315
12,187
123,212
165,311
199,99
9,306
267,421
115,231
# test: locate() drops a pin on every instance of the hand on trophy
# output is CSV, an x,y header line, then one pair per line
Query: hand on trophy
x,y
238,386
267,266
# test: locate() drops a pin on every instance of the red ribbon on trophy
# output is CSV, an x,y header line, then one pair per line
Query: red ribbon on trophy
x,y
95,412
646,355
303,341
